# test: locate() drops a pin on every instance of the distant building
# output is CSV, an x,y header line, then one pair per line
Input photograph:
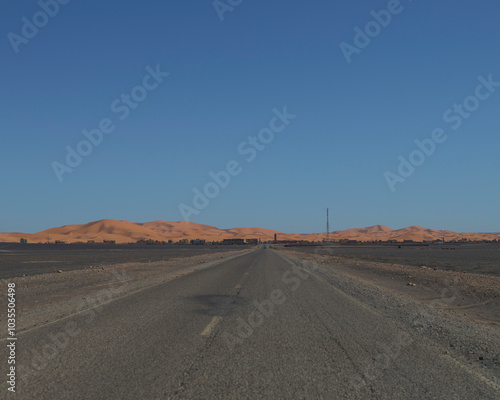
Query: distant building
x,y
90,241
24,241
198,241
233,241
252,241
348,241
184,241
109,241
294,243
60,242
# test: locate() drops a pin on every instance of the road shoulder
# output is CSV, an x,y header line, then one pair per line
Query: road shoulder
x,y
459,313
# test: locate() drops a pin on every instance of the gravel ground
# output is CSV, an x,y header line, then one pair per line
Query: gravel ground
x,y
33,259
452,315
473,258
458,311
52,296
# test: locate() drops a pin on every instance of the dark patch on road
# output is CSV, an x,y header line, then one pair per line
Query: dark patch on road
x,y
218,305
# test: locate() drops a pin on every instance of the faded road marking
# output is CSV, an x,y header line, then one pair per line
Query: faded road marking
x,y
211,326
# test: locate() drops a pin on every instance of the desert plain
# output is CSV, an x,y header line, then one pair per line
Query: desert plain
x,y
402,319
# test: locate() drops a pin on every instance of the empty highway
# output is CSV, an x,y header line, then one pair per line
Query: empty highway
x,y
257,326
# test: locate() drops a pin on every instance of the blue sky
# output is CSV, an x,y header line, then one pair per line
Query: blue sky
x,y
353,120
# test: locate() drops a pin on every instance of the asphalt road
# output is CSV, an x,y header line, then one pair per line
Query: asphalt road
x,y
254,327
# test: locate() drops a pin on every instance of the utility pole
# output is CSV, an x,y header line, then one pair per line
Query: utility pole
x,y
327,227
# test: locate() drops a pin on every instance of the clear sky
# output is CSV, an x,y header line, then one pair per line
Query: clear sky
x,y
229,68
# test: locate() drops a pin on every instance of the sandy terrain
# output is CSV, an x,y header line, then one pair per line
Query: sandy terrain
x,y
127,232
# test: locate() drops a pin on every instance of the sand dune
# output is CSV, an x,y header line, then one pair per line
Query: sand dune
x,y
126,232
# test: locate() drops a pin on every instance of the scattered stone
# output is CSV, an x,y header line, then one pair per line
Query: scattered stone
x,y
411,284
481,358
59,271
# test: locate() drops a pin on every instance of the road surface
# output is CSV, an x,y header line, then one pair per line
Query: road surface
x,y
253,327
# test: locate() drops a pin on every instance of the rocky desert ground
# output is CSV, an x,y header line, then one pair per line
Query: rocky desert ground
x,y
453,309
457,309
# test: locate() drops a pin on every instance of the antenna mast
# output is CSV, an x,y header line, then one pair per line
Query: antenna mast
x,y
327,226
